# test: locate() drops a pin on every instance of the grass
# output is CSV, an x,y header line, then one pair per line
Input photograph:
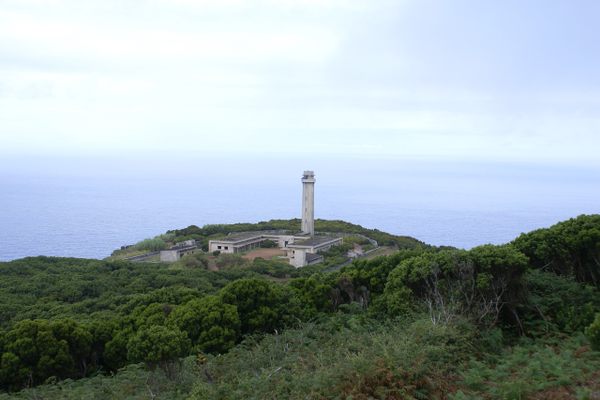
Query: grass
x,y
133,382
566,367
381,251
349,361
350,357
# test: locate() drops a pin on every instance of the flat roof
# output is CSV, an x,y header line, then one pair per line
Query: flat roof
x,y
310,257
299,239
315,241
181,248
240,237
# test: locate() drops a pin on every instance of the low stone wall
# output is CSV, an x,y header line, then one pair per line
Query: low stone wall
x,y
143,257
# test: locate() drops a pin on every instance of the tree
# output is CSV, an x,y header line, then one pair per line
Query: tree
x,y
157,346
115,350
211,325
484,284
315,293
37,349
262,306
570,248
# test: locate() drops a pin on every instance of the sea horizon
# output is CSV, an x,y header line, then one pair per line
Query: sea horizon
x,y
88,207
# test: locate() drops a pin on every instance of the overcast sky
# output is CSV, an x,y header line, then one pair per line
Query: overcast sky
x,y
469,80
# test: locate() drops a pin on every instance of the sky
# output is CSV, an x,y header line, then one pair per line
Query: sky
x,y
472,80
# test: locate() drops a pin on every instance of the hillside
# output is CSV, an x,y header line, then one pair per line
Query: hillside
x,y
520,320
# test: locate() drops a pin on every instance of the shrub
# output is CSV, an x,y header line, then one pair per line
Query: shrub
x,y
337,360
546,309
593,333
157,345
262,306
36,350
194,260
225,261
268,244
484,284
211,325
570,248
154,244
530,367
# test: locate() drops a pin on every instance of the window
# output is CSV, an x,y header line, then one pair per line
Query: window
x,y
219,247
226,247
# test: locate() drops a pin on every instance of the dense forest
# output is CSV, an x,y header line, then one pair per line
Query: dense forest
x,y
513,321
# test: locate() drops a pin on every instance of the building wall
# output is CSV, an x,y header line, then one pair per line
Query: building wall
x,y
282,240
185,253
174,255
297,257
220,246
319,248
169,255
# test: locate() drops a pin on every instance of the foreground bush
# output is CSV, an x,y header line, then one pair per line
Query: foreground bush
x,y
340,359
483,284
593,333
569,248
562,368
557,304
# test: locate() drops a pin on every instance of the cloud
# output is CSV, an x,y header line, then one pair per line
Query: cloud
x,y
460,79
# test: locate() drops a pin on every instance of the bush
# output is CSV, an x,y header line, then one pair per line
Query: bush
x,y
225,261
530,368
593,333
157,345
546,309
484,284
211,325
337,360
268,244
154,244
36,350
569,248
194,260
262,306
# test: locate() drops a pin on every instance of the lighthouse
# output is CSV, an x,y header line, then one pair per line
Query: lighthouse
x,y
308,203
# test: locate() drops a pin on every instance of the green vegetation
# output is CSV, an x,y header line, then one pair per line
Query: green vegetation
x,y
515,321
154,244
593,333
208,232
343,358
560,368
570,248
268,244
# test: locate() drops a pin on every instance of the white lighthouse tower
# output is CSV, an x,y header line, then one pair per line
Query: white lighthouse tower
x,y
308,203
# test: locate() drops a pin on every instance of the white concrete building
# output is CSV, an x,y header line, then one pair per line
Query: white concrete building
x,y
301,249
176,252
306,252
240,242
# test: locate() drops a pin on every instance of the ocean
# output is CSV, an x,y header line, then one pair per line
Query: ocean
x,y
87,207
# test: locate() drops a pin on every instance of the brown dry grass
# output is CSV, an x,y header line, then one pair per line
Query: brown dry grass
x,y
267,254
